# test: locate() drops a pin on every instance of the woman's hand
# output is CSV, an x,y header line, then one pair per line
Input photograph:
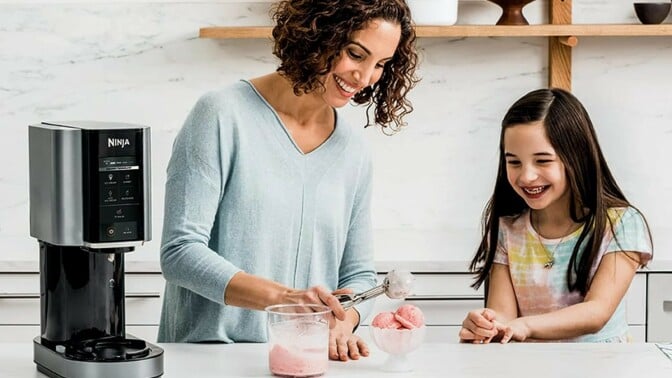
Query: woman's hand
x,y
321,296
479,327
343,344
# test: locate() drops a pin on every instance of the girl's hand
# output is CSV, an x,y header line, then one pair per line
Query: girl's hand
x,y
344,345
516,330
479,327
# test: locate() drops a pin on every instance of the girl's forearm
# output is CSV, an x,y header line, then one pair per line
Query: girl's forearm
x,y
566,323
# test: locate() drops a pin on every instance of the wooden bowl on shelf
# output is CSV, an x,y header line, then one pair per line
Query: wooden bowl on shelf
x,y
512,11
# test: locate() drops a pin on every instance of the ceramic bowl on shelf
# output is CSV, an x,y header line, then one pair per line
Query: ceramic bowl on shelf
x,y
433,12
512,11
652,13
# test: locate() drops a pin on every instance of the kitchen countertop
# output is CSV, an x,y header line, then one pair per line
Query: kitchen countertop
x,y
519,360
424,266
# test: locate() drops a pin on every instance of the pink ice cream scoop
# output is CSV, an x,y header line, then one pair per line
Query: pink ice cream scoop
x,y
407,316
410,316
386,320
398,342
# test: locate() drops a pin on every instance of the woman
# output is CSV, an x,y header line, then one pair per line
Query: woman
x,y
268,191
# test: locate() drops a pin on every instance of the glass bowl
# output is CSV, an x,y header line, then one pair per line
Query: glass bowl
x,y
397,343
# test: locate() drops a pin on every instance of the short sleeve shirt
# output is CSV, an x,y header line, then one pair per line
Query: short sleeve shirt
x,y
540,289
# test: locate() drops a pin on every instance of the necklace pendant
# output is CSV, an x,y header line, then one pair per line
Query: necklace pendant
x,y
549,264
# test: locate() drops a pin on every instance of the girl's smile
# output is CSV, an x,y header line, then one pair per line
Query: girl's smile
x,y
533,169
536,191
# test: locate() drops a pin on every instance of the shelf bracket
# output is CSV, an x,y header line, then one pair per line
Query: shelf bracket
x,y
560,48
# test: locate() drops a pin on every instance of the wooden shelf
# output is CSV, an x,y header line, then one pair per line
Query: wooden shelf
x,y
561,33
235,32
546,30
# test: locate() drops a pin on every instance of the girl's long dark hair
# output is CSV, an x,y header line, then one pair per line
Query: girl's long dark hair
x,y
593,189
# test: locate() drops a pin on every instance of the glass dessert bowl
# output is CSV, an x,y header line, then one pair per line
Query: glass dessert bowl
x,y
398,333
397,343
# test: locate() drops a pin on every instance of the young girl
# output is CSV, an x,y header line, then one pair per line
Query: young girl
x,y
561,243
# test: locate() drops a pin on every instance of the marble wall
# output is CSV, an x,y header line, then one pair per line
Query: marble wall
x,y
142,62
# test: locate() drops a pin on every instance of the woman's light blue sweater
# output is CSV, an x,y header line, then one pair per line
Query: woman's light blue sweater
x,y
241,196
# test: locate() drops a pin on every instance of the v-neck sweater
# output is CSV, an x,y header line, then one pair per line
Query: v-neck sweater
x,y
241,196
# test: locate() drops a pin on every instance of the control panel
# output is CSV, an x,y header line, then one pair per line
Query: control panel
x,y
115,201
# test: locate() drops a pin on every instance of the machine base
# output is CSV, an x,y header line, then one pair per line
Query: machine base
x,y
56,365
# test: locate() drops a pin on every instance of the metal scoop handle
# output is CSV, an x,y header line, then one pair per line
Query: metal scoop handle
x,y
349,300
397,285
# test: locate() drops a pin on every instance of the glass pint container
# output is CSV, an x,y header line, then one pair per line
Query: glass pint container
x,y
298,340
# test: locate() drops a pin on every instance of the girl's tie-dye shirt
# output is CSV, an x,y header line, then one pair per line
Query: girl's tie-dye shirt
x,y
540,290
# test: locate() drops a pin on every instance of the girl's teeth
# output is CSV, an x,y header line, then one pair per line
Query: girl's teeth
x,y
536,190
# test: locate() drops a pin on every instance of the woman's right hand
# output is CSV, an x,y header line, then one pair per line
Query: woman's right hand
x,y
322,296
479,327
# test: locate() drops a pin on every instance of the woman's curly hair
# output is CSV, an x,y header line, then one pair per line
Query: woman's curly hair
x,y
310,34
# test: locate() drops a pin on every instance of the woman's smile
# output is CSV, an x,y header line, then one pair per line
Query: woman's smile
x,y
347,89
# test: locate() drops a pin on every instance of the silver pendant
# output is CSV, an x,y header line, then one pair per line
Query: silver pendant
x,y
549,264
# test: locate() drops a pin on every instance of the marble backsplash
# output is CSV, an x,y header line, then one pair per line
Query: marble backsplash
x,y
142,62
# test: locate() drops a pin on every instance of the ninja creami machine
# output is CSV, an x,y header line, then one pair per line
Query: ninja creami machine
x,y
89,206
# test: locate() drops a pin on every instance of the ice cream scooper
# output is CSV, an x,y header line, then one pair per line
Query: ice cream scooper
x,y
396,285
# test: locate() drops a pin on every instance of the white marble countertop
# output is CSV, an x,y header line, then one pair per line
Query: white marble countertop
x,y
520,360
424,266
